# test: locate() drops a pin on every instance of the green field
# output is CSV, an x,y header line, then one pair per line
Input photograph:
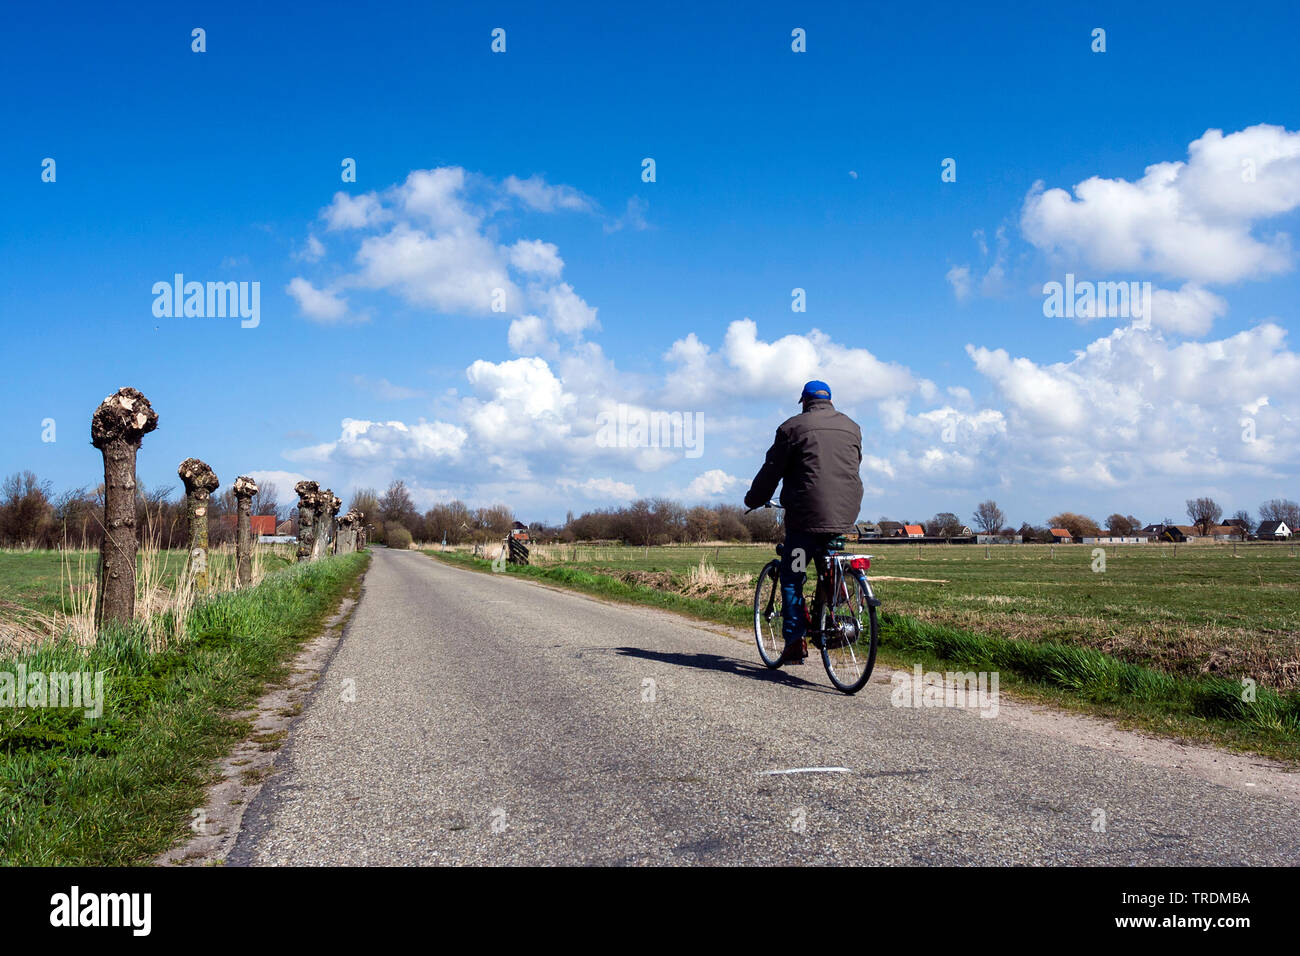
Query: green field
x,y
1162,639
36,586
1193,609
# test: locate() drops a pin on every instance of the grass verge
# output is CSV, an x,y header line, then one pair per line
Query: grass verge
x,y
119,789
1207,708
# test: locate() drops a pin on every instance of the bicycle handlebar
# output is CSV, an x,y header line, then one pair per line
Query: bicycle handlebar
x,y
770,504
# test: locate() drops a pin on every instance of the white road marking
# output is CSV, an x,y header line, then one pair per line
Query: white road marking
x,y
768,773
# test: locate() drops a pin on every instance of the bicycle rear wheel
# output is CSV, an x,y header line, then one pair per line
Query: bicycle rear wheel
x,y
767,615
850,635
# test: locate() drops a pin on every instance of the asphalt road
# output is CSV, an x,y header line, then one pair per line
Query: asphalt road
x,y
496,721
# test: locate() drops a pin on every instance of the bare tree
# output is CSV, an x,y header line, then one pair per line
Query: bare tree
x,y
346,542
25,508
396,505
1281,509
989,517
245,489
116,429
1204,513
309,500
200,481
267,500
1120,525
1079,526
944,525
326,524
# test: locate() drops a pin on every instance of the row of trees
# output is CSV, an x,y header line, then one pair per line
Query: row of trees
x,y
652,521
646,522
1203,513
394,520
31,514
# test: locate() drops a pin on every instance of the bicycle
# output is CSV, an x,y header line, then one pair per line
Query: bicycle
x,y
842,599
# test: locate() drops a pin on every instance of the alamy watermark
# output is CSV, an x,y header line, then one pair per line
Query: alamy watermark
x,y
950,689
631,427
210,300
1083,299
53,689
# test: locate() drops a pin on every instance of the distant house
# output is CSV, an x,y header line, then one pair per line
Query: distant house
x,y
1060,536
892,529
914,530
1007,538
1225,532
1273,531
285,528
257,524
1179,533
867,529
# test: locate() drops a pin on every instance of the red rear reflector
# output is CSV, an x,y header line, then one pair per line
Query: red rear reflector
x,y
860,564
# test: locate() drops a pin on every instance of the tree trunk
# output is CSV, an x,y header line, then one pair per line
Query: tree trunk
x,y
196,511
244,544
244,489
308,502
116,599
325,524
119,424
200,481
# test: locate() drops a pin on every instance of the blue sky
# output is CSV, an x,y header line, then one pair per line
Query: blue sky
x,y
775,170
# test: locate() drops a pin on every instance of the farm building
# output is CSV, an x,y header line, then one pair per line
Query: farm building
x,y
1117,539
1061,536
257,524
867,529
892,529
914,530
1273,531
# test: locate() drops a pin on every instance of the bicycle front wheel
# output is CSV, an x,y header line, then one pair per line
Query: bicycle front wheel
x,y
767,615
850,635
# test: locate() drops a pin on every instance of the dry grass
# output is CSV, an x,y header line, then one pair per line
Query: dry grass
x,y
164,593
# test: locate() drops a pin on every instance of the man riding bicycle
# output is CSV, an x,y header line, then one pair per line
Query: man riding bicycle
x,y
816,454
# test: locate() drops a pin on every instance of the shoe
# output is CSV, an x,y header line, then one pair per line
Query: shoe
x,y
795,651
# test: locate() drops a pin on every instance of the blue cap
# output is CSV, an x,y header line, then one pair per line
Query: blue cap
x,y
815,389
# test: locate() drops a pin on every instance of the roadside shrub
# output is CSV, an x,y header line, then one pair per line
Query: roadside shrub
x,y
396,536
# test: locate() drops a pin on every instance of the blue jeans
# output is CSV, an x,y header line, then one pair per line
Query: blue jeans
x,y
802,550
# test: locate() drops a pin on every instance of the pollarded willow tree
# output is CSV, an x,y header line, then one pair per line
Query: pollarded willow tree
x,y
244,489
200,481
116,429
326,524
309,498
346,542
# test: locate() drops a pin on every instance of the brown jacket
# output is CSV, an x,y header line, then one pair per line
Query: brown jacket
x,y
816,454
